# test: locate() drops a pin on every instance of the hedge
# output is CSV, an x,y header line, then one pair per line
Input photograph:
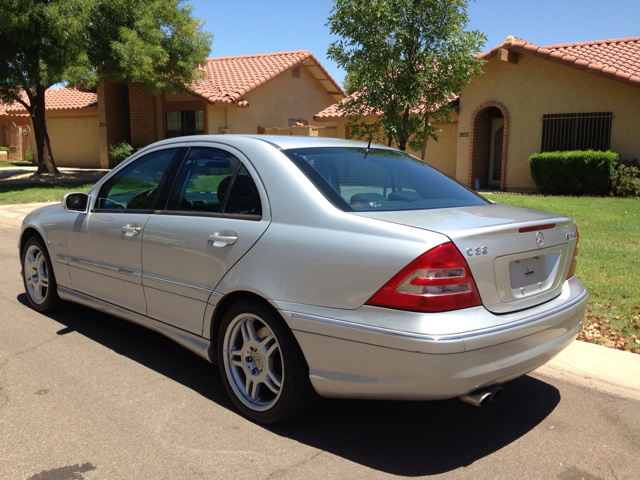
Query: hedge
x,y
120,152
587,172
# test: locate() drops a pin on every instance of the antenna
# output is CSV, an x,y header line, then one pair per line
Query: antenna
x,y
368,148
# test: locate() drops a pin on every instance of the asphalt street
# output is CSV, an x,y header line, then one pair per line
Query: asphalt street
x,y
85,395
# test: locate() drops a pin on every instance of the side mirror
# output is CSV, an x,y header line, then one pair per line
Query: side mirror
x,y
76,202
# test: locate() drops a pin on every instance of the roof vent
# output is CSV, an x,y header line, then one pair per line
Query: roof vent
x,y
295,72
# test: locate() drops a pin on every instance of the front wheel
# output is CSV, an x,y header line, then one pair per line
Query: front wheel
x,y
262,366
38,277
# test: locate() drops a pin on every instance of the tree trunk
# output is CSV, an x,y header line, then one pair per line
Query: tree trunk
x,y
426,135
45,158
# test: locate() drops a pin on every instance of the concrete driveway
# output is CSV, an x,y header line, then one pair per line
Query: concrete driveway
x,y
85,392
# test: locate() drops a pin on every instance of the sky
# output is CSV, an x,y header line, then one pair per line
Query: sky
x,y
242,27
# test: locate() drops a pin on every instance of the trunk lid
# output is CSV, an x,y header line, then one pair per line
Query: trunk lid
x,y
519,257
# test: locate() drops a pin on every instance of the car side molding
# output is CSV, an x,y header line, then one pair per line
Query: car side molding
x,y
195,343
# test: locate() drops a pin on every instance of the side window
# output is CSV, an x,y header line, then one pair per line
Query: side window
x,y
202,182
135,187
214,181
244,197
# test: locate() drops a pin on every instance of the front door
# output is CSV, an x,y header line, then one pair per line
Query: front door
x,y
214,215
105,246
495,152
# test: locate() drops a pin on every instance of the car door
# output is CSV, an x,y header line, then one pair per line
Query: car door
x,y
215,213
104,246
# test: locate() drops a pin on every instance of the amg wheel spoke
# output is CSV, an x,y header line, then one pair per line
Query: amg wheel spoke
x,y
38,293
236,358
271,349
249,331
272,382
255,391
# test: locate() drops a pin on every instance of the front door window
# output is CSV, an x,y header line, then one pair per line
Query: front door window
x,y
185,122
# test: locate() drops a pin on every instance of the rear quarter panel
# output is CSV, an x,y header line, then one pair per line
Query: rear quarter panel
x,y
313,253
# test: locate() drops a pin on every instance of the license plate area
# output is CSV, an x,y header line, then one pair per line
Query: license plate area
x,y
529,274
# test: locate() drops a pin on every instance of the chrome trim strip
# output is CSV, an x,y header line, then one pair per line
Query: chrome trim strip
x,y
439,338
197,288
123,271
62,259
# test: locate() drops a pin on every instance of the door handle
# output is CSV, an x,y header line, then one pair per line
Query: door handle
x,y
131,230
223,237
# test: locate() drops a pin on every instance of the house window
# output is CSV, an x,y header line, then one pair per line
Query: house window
x,y
576,131
185,122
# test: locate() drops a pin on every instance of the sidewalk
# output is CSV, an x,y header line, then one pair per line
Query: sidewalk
x,y
586,364
12,215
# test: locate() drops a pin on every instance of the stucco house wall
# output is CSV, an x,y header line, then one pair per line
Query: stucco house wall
x,y
533,87
274,103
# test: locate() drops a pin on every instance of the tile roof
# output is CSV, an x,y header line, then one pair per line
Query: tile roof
x,y
60,99
332,112
618,59
229,79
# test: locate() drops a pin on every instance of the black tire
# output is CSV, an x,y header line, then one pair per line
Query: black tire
x,y
38,277
264,372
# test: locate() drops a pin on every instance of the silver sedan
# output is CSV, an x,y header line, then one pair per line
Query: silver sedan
x,y
310,267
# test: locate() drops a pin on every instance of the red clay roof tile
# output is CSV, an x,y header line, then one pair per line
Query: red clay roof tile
x,y
60,99
228,79
614,58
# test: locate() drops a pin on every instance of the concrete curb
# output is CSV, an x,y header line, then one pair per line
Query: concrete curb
x,y
599,367
586,364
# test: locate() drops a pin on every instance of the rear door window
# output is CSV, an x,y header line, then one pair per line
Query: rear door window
x,y
214,181
355,180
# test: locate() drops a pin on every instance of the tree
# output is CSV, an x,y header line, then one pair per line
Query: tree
x,y
155,43
407,59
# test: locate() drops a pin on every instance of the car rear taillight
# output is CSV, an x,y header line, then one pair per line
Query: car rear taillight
x,y
574,260
437,281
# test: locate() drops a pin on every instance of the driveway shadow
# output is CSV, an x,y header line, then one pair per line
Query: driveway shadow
x,y
400,438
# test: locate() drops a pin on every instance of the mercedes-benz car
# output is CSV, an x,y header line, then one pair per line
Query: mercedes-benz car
x,y
314,267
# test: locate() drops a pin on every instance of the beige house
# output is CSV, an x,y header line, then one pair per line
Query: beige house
x,y
249,94
531,99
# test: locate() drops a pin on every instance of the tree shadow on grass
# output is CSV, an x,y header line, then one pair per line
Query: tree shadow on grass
x,y
400,438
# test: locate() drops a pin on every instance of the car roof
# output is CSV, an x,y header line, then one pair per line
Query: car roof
x,y
282,142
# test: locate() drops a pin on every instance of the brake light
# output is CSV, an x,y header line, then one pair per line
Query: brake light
x,y
437,281
574,260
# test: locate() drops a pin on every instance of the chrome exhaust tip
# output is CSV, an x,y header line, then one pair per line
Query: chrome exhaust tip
x,y
480,396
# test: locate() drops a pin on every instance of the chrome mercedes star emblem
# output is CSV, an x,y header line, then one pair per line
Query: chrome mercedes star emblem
x,y
539,239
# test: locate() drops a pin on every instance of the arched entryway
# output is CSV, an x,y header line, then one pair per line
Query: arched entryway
x,y
488,155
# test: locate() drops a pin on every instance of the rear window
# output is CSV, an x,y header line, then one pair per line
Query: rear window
x,y
384,180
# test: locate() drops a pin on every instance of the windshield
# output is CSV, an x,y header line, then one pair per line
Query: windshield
x,y
384,180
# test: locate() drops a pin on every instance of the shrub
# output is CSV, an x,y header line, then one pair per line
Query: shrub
x,y
5,149
625,181
29,156
119,153
574,173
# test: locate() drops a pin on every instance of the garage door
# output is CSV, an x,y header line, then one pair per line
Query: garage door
x,y
74,141
442,154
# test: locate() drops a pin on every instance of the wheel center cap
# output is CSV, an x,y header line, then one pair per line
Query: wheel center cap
x,y
258,360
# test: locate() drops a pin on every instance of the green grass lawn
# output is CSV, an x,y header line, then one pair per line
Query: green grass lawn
x,y
13,194
608,262
15,164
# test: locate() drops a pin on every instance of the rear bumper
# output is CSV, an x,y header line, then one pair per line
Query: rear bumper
x,y
358,354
